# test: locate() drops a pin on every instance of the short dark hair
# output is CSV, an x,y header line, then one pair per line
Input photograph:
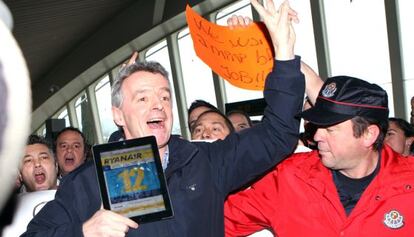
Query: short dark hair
x,y
403,125
226,120
200,103
406,127
35,139
360,124
231,112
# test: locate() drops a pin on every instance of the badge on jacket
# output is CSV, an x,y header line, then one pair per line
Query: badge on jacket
x,y
394,219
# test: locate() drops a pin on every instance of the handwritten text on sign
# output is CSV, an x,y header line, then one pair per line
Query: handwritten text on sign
x,y
241,56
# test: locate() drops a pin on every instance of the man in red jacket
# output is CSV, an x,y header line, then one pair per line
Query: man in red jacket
x,y
353,185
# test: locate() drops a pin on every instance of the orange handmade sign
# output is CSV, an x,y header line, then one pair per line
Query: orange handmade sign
x,y
241,56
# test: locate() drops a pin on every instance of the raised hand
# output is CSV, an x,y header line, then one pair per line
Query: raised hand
x,y
131,60
279,25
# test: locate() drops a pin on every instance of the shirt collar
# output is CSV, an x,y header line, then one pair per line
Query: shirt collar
x,y
165,158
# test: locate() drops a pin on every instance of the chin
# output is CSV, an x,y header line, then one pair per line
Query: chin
x,y
162,140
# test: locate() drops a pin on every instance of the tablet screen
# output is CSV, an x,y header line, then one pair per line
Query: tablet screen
x,y
132,180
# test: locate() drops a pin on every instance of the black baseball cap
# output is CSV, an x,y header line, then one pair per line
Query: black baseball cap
x,y
343,97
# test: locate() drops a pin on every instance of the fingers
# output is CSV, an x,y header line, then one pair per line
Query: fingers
x,y
238,21
107,223
270,10
270,6
259,8
293,16
133,58
284,12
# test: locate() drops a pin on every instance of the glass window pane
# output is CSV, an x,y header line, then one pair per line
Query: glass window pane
x,y
242,8
233,93
406,18
41,131
159,53
85,119
358,44
409,92
103,100
64,115
195,72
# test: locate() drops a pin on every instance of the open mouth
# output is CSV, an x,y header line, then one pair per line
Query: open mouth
x,y
69,160
40,177
155,123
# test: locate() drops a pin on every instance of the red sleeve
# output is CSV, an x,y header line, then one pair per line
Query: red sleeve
x,y
253,209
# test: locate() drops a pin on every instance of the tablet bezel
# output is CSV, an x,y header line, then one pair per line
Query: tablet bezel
x,y
98,149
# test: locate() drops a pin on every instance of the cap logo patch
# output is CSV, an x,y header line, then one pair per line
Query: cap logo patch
x,y
329,90
393,220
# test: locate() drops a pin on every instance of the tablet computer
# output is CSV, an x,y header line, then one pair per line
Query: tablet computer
x,y
131,179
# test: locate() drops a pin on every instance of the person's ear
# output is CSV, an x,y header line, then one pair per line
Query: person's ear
x,y
118,116
57,168
371,134
409,141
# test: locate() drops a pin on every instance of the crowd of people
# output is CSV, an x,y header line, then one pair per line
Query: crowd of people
x,y
356,179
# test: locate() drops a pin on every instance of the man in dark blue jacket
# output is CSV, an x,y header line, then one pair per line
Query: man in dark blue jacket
x,y
199,175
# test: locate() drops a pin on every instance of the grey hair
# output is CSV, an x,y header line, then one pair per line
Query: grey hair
x,y
150,66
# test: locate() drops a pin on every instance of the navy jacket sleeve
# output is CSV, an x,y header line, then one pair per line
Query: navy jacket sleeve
x,y
244,156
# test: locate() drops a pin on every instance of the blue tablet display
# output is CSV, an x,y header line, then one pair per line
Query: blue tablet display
x,y
131,179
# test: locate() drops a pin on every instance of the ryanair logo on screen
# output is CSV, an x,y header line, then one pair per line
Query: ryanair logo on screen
x,y
394,220
127,157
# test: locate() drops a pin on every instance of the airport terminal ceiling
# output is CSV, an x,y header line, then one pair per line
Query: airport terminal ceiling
x,y
63,40
70,44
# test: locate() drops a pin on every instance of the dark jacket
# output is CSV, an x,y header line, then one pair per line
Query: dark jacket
x,y
199,175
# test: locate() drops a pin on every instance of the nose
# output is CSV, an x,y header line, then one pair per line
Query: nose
x,y
37,162
158,103
69,148
206,134
319,134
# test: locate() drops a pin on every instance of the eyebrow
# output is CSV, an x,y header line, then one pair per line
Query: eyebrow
x,y
41,153
219,123
67,142
140,91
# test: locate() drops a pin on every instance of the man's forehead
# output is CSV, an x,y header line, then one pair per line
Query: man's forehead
x,y
37,147
238,117
146,81
143,76
69,135
214,119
